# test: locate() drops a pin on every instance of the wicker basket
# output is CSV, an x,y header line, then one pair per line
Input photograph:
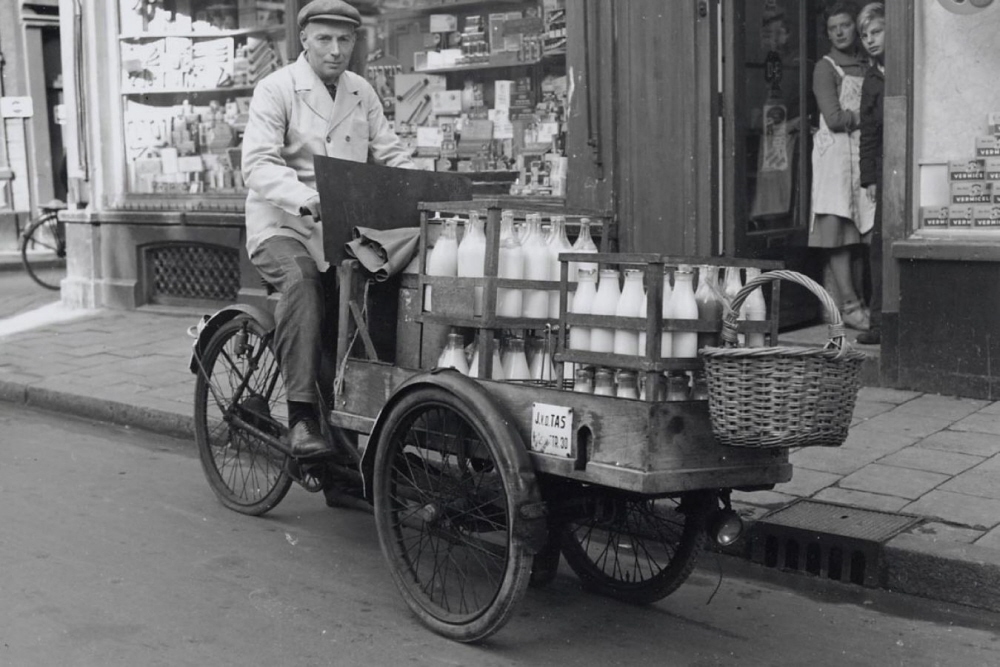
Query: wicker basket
x,y
782,396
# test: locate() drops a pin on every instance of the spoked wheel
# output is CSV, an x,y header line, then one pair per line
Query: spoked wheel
x,y
43,251
445,497
239,379
635,549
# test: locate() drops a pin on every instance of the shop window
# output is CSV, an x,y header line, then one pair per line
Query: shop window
x,y
474,86
964,195
188,69
479,88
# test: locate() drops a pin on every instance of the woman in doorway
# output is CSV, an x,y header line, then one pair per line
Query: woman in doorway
x,y
841,210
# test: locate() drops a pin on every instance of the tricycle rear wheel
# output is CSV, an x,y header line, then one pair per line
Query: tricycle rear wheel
x,y
633,548
239,376
445,503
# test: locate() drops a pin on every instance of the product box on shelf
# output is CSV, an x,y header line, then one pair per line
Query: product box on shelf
x,y
991,166
988,146
970,192
932,217
960,215
966,170
986,216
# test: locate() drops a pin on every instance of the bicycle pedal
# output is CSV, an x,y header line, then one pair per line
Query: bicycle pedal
x,y
308,476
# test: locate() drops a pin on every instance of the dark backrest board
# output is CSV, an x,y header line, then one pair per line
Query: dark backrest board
x,y
356,194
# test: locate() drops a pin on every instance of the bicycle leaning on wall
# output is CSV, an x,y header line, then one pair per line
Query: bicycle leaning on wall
x,y
43,246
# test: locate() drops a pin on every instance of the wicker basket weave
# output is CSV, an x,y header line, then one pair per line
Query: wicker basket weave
x,y
782,396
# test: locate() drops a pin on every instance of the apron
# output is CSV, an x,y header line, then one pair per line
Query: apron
x,y
835,160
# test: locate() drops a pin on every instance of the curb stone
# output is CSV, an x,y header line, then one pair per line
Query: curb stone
x,y
114,412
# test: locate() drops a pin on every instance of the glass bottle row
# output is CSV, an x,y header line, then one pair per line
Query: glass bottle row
x,y
672,386
527,252
628,298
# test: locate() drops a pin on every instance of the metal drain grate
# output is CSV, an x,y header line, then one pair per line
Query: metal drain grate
x,y
830,541
193,272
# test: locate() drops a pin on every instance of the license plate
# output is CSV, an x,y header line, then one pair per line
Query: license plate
x,y
552,429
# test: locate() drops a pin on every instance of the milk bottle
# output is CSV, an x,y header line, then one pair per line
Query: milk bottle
x,y
472,255
626,341
511,265
684,307
537,266
558,243
443,257
755,309
602,339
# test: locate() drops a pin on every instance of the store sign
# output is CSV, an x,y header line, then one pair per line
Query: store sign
x,y
16,107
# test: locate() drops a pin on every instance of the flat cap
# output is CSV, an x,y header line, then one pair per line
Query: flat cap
x,y
329,10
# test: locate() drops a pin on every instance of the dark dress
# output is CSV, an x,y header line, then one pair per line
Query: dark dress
x,y
872,93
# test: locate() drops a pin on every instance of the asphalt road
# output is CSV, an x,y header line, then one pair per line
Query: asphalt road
x,y
114,551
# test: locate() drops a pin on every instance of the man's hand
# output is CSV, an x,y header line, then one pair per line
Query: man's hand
x,y
311,208
872,193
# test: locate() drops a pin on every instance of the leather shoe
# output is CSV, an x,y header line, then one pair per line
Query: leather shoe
x,y
306,441
871,337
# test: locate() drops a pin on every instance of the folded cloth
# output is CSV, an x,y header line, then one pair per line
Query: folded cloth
x,y
383,252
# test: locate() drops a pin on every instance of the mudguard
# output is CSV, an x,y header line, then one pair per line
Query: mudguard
x,y
530,520
209,324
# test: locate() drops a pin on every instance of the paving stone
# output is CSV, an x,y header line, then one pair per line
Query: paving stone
x,y
962,442
861,438
980,422
976,482
889,480
872,501
992,464
766,499
836,460
807,482
96,359
903,423
886,395
864,410
990,539
992,409
982,513
947,463
945,407
943,532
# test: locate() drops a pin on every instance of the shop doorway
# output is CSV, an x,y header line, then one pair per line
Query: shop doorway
x,y
769,50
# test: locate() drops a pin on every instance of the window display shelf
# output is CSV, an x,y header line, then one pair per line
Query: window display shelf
x,y
494,63
204,34
186,91
443,6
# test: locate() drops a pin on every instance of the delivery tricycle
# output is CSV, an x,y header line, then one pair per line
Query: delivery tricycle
x,y
478,486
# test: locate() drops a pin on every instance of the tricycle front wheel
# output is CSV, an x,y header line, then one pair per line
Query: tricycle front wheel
x,y
445,503
239,377
633,548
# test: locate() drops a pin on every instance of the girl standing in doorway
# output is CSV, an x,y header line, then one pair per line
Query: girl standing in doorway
x,y
841,210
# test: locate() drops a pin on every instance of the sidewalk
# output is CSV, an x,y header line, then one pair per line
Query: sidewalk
x,y
933,457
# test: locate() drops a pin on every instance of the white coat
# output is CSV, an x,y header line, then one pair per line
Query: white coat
x,y
292,118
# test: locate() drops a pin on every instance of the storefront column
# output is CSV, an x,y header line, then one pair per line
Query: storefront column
x,y
80,288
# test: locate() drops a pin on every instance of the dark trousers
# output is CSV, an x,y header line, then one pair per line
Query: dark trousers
x,y
306,316
875,262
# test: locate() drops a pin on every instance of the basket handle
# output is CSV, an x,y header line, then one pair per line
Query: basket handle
x,y
837,332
